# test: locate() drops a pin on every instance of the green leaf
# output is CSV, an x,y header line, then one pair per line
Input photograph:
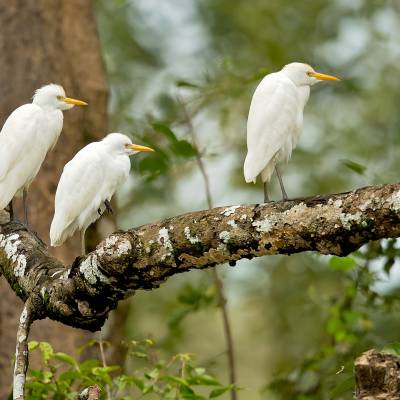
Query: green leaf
x,y
166,131
175,379
47,351
184,83
33,345
65,358
105,370
184,149
342,263
219,392
355,167
206,380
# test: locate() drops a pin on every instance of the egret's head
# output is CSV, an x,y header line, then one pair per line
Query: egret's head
x,y
53,96
122,144
304,75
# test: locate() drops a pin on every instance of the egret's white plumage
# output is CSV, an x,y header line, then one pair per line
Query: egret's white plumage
x,y
88,181
26,137
275,118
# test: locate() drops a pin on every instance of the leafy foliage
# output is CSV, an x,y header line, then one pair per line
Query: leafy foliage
x,y
63,377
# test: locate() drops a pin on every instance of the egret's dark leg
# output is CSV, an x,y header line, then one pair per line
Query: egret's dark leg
x,y
24,199
278,174
11,210
108,206
83,245
266,198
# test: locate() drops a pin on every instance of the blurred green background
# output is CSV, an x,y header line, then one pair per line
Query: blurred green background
x,y
298,321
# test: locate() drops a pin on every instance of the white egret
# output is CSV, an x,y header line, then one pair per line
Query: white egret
x,y
275,120
27,135
87,184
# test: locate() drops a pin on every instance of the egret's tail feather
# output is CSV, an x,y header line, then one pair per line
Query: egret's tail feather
x,y
267,172
250,173
58,233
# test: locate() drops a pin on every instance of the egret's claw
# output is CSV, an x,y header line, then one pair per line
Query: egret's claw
x,y
108,206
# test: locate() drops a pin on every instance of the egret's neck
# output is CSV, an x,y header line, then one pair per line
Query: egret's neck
x,y
304,94
54,118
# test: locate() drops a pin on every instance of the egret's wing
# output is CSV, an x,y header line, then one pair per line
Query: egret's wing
x,y
271,122
80,185
19,137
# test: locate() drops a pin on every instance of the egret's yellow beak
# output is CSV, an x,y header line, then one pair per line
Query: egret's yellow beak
x,y
138,147
74,101
323,77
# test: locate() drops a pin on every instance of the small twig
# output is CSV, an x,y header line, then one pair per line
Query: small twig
x,y
90,393
21,351
217,280
103,360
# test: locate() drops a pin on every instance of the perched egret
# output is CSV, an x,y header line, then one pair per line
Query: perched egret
x,y
87,184
275,120
27,135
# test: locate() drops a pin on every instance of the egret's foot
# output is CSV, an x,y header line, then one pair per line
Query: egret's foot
x,y
108,207
10,210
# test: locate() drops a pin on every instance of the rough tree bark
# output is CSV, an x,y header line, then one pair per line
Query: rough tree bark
x,y
83,294
377,376
44,41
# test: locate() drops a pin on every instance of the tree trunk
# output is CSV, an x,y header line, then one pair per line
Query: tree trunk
x,y
44,41
377,376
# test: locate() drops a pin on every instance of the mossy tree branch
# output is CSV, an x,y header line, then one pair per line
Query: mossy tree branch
x,y
82,294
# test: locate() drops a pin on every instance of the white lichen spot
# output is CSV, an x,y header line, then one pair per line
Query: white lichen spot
x,y
65,274
232,223
367,204
243,217
188,235
115,245
90,270
229,210
225,236
164,240
23,317
348,219
124,247
171,228
338,203
10,245
394,201
264,225
21,339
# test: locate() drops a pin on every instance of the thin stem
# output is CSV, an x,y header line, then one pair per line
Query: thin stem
x,y
21,351
103,360
83,243
25,201
219,286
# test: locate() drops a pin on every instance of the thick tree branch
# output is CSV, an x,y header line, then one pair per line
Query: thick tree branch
x,y
142,258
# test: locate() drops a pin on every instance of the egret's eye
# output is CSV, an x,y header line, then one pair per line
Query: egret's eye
x,y
59,98
309,73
